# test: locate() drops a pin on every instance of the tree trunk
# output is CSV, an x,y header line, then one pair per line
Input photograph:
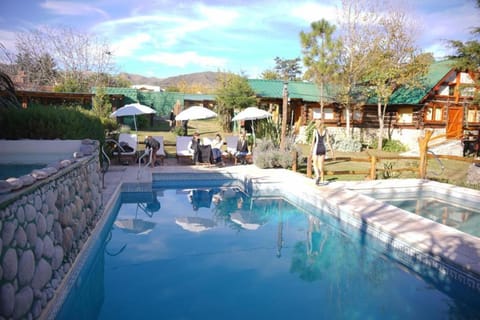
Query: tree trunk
x,y
284,118
381,125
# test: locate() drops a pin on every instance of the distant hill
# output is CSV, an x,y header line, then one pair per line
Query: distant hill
x,y
207,79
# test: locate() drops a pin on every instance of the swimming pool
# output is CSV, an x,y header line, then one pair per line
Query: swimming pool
x,y
216,251
17,170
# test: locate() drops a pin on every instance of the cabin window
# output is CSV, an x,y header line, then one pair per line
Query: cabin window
x,y
405,115
434,113
473,115
356,115
327,112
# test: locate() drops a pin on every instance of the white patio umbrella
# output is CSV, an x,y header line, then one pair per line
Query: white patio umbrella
x,y
195,113
195,224
252,113
132,109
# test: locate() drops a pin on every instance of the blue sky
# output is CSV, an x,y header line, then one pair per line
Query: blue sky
x,y
164,38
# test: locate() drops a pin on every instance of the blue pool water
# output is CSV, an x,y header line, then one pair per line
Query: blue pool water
x,y
460,214
218,253
17,170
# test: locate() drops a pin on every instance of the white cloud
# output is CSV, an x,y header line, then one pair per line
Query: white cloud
x,y
312,11
129,46
72,8
184,59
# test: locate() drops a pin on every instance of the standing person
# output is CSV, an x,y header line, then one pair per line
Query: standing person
x,y
152,145
319,149
217,145
242,147
193,147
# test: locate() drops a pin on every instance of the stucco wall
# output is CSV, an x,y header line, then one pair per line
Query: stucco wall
x,y
42,229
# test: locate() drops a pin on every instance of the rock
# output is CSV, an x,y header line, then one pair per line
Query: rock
x,y
20,214
20,237
41,225
87,149
39,174
26,268
65,163
5,187
23,302
38,249
57,257
31,231
27,180
8,232
16,183
43,273
10,264
50,170
47,247
30,212
7,303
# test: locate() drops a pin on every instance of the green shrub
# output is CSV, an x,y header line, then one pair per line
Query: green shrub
x,y
390,145
347,145
50,123
268,155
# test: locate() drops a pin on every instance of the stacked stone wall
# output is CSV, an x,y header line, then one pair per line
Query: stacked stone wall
x,y
42,230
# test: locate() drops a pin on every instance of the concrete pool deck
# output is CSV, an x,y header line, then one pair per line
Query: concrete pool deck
x,y
420,233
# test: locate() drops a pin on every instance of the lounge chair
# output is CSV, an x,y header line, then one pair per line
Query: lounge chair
x,y
182,148
161,150
126,146
231,148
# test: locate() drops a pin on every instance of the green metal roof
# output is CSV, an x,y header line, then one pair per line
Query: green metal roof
x,y
307,91
436,72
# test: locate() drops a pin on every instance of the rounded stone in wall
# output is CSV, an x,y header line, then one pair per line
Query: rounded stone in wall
x,y
10,264
47,247
43,273
49,220
38,249
8,232
38,203
31,231
7,303
51,199
57,257
20,237
67,242
30,212
44,209
26,267
41,225
20,214
23,302
57,232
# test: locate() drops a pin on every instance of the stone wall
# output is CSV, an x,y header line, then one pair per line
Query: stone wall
x,y
42,230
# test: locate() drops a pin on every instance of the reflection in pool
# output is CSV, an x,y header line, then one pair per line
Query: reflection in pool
x,y
218,253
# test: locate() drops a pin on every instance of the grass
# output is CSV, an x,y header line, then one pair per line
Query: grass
x,y
454,172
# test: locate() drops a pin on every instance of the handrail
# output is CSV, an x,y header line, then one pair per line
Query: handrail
x,y
145,154
435,156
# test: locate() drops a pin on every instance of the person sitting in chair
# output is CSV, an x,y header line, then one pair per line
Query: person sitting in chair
x,y
242,148
193,146
152,145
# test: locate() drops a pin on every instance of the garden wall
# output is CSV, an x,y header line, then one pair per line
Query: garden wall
x,y
43,228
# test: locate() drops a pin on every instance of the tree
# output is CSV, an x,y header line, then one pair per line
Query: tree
x,y
39,70
357,22
102,107
270,74
82,59
394,61
467,57
320,52
288,69
233,92
8,98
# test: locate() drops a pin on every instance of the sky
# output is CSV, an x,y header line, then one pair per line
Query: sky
x,y
163,38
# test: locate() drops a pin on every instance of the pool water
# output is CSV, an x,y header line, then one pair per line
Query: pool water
x,y
17,170
218,253
461,214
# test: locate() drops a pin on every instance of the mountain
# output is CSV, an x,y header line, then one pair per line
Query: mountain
x,y
207,79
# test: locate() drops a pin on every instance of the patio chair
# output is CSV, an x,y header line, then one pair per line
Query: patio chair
x,y
161,151
126,147
182,148
231,148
